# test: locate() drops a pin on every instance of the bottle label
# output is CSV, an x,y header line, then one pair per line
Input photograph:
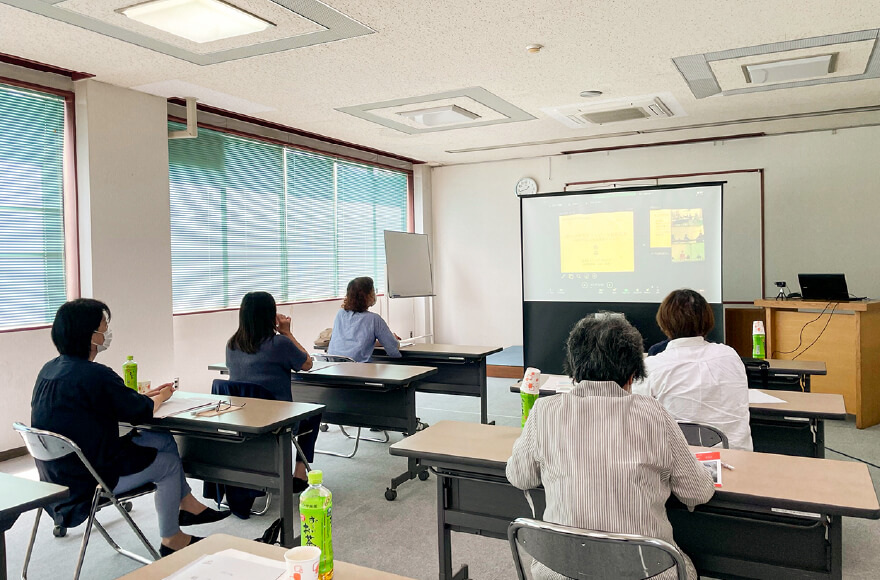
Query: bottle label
x,y
315,514
129,375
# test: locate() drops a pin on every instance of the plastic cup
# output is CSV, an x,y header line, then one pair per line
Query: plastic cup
x,y
302,563
144,386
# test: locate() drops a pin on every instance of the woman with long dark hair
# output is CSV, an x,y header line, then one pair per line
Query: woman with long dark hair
x,y
356,329
264,351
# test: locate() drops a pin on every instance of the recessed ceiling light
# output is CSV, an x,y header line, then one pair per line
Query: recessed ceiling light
x,y
783,71
196,20
588,94
533,48
445,115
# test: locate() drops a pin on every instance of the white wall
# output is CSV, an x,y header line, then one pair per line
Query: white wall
x,y
820,213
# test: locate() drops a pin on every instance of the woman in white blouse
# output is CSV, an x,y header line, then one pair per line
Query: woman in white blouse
x,y
696,380
607,459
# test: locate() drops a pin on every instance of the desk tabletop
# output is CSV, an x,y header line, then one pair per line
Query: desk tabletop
x,y
815,405
797,404
761,479
444,350
799,304
353,372
219,542
258,416
781,366
18,495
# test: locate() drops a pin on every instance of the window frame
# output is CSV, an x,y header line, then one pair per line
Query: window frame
x,y
69,195
410,197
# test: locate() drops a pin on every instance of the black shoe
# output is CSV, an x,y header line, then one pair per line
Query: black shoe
x,y
166,551
208,516
299,485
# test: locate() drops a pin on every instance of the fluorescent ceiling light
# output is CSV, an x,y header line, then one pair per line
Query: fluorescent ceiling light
x,y
789,70
445,115
196,20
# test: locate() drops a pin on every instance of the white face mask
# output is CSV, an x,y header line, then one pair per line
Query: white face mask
x,y
108,338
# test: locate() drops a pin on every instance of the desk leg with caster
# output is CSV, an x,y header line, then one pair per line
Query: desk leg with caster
x,y
444,536
284,462
414,467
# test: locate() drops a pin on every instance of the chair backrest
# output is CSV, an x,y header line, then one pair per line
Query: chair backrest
x,y
586,554
703,435
49,446
331,357
240,389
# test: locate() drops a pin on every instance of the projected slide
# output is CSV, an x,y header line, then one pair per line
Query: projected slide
x,y
622,246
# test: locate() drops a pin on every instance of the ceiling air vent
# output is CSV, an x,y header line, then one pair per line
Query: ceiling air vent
x,y
617,110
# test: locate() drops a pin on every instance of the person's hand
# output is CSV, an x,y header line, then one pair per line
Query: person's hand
x,y
395,336
161,393
282,323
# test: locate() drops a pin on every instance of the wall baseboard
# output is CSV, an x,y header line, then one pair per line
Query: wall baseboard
x,y
504,372
13,453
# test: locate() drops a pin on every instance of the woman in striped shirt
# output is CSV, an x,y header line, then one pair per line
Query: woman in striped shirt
x,y
607,459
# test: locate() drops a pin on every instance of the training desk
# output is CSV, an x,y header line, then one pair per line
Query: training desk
x,y
18,495
780,368
796,427
776,516
371,395
248,448
461,370
219,542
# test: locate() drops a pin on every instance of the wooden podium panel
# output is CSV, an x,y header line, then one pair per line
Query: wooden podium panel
x,y
847,340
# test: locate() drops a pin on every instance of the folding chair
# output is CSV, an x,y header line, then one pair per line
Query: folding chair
x,y
357,438
591,555
703,435
48,446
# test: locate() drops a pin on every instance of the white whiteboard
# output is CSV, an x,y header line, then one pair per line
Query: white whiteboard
x,y
409,265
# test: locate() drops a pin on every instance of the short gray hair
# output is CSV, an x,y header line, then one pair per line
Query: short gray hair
x,y
604,347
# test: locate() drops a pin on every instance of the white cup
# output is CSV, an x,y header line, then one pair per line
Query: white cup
x,y
144,386
302,563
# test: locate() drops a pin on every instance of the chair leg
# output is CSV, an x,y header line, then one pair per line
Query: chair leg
x,y
301,454
374,439
30,548
118,548
265,509
87,532
139,534
357,441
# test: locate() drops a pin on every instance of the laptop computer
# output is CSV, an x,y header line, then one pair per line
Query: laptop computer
x,y
830,287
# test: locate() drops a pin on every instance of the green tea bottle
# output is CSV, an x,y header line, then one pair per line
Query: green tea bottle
x,y
316,529
130,373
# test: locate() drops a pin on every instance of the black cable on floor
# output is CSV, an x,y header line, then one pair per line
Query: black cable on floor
x,y
851,457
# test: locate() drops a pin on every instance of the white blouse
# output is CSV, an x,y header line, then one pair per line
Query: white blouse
x,y
702,382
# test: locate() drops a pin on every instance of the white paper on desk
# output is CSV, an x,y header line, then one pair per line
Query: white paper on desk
x,y
176,406
559,384
757,397
229,564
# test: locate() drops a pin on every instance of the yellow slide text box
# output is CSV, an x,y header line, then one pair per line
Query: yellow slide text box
x,y
602,242
661,228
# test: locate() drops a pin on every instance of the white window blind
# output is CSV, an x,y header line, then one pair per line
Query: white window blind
x,y
32,277
248,215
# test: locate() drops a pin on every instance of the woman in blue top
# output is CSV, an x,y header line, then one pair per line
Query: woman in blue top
x,y
263,351
356,330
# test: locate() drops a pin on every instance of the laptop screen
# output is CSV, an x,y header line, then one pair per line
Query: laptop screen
x,y
831,287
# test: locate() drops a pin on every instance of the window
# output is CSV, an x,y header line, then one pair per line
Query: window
x,y
249,215
32,276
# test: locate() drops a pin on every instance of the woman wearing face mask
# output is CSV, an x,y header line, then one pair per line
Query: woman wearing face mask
x,y
356,330
85,401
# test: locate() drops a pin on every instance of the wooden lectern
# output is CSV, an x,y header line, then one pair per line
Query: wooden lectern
x,y
849,345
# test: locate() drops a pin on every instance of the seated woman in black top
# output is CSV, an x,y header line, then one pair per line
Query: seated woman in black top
x,y
85,401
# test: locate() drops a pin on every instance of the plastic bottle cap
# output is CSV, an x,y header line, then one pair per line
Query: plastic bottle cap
x,y
130,357
316,477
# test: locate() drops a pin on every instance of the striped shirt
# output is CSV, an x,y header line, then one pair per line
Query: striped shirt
x,y
608,461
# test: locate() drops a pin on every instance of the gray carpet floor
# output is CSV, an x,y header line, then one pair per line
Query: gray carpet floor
x,y
398,536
